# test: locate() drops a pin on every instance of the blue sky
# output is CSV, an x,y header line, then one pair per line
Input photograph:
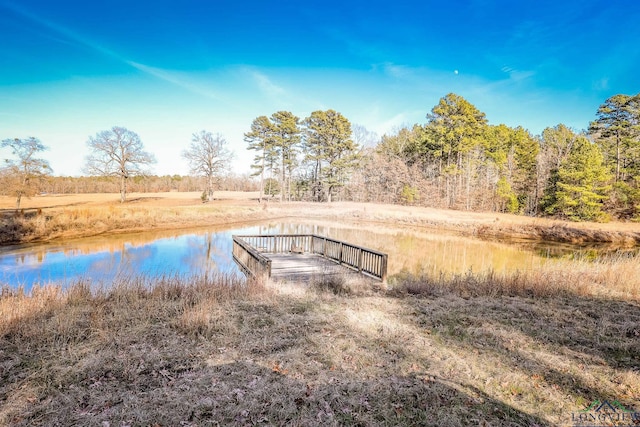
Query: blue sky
x,y
167,69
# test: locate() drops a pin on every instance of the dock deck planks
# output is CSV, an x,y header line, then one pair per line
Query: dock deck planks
x,y
305,267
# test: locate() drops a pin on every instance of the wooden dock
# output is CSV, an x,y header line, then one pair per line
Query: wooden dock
x,y
301,257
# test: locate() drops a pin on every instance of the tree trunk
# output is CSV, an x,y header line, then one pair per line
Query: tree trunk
x,y
18,199
262,176
282,175
617,158
210,188
123,188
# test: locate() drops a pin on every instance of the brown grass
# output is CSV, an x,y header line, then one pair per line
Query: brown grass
x,y
51,217
615,276
218,351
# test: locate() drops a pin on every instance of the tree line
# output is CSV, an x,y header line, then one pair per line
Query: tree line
x,y
456,159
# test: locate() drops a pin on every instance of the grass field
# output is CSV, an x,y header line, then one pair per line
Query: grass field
x,y
485,349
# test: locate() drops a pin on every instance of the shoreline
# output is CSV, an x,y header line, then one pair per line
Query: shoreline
x,y
164,211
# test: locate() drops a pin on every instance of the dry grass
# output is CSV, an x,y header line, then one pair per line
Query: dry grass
x,y
97,215
613,276
218,351
50,217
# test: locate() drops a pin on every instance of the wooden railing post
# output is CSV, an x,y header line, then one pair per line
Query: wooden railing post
x,y
383,273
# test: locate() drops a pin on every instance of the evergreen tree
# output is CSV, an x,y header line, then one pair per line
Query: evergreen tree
x,y
285,137
522,163
582,183
454,130
260,139
330,149
617,131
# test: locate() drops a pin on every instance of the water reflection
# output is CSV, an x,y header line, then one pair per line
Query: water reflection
x,y
196,252
106,258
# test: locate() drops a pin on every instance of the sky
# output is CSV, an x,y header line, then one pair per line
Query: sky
x,y
167,69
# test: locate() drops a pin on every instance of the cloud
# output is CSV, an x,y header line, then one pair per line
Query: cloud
x,y
63,31
398,71
75,37
175,79
516,75
266,85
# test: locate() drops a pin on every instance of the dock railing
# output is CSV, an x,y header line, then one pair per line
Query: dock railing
x,y
366,261
250,260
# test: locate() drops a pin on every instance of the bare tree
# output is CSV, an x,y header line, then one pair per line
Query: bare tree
x,y
363,137
23,173
117,152
209,157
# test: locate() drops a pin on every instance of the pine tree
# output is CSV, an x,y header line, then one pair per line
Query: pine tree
x,y
286,137
617,131
260,139
455,127
330,149
582,183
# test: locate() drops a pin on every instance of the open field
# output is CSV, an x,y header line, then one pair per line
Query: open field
x,y
53,217
217,352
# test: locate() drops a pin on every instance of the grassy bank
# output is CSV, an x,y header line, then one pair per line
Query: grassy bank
x,y
462,350
55,217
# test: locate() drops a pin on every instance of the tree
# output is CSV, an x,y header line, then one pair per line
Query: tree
x,y
260,139
616,130
556,145
363,137
454,130
117,152
512,153
285,137
330,149
582,183
523,162
208,157
24,172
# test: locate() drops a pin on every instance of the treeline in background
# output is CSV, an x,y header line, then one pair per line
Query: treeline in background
x,y
456,160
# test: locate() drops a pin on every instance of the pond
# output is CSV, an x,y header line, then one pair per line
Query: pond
x,y
196,252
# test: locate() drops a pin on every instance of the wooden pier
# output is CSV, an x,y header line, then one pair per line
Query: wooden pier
x,y
302,256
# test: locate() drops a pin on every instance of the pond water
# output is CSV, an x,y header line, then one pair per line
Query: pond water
x,y
196,252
